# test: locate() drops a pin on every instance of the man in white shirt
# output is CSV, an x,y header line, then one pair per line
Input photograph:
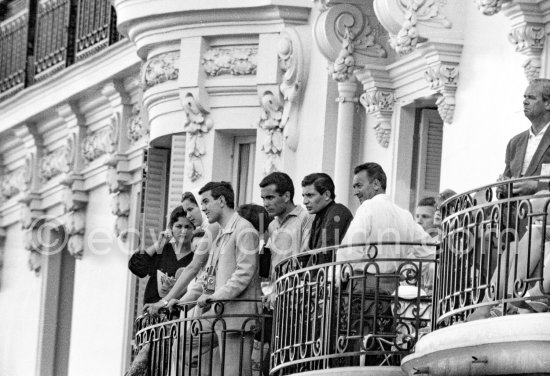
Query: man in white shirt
x,y
379,219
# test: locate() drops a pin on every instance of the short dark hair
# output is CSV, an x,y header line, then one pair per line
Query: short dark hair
x,y
427,201
175,215
283,183
255,214
220,188
374,171
446,194
321,182
189,196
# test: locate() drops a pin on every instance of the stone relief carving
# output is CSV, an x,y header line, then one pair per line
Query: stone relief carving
x,y
14,182
294,78
443,79
136,130
100,143
415,12
120,202
58,161
270,122
357,36
528,39
234,61
159,69
490,7
198,125
380,103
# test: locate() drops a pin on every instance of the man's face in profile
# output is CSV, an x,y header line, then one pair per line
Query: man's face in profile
x,y
424,216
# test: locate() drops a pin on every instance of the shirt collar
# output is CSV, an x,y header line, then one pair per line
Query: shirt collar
x,y
293,213
531,134
230,226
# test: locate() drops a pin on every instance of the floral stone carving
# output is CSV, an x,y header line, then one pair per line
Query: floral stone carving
x,y
379,103
234,61
99,143
159,69
136,130
198,125
58,161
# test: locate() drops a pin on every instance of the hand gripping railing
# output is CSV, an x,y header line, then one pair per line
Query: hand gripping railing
x,y
349,313
216,340
494,250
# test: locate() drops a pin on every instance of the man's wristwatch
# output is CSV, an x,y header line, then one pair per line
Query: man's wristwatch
x,y
164,302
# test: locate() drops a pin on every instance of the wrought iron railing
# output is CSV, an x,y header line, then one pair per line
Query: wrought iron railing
x,y
193,341
52,37
42,40
492,253
368,312
13,54
96,27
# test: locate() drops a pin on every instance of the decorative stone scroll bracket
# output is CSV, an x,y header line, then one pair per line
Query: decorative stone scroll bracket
x,y
270,122
74,217
528,40
490,7
402,19
31,224
380,103
443,79
197,126
136,130
346,38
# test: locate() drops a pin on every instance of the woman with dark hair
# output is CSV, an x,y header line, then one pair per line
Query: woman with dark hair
x,y
172,251
204,235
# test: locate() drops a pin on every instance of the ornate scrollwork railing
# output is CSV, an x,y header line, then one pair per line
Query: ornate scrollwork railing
x,y
96,27
492,252
190,341
349,313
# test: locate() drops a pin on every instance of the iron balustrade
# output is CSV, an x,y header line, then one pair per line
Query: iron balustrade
x,y
492,252
13,54
52,37
188,341
43,39
367,312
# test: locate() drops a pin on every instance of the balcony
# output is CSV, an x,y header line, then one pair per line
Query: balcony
x,y
376,316
41,40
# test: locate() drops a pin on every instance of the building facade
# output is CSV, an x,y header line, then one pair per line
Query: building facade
x,y
100,133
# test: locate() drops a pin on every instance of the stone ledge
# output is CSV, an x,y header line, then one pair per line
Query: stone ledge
x,y
356,371
518,344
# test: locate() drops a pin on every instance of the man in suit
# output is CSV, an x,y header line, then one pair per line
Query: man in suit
x,y
231,273
528,153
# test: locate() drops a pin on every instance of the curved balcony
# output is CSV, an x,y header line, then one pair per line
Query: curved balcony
x,y
349,314
190,341
493,277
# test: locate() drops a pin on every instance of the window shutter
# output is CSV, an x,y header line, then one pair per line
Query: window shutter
x,y
429,161
155,195
177,172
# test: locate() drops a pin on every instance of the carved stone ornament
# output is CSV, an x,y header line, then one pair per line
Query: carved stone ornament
x,y
58,161
343,34
120,206
100,143
446,107
380,103
159,69
294,79
383,133
528,39
75,246
490,7
136,129
270,122
235,61
15,182
198,125
443,79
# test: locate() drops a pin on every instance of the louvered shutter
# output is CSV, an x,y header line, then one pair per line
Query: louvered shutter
x,y
177,172
429,158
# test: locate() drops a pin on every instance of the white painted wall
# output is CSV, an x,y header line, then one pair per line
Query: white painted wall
x,y
100,296
19,308
488,104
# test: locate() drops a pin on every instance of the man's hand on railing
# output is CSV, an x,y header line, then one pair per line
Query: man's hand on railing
x,y
153,309
204,300
525,187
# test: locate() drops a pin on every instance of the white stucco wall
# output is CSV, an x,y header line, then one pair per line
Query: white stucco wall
x,y
19,308
100,296
488,104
